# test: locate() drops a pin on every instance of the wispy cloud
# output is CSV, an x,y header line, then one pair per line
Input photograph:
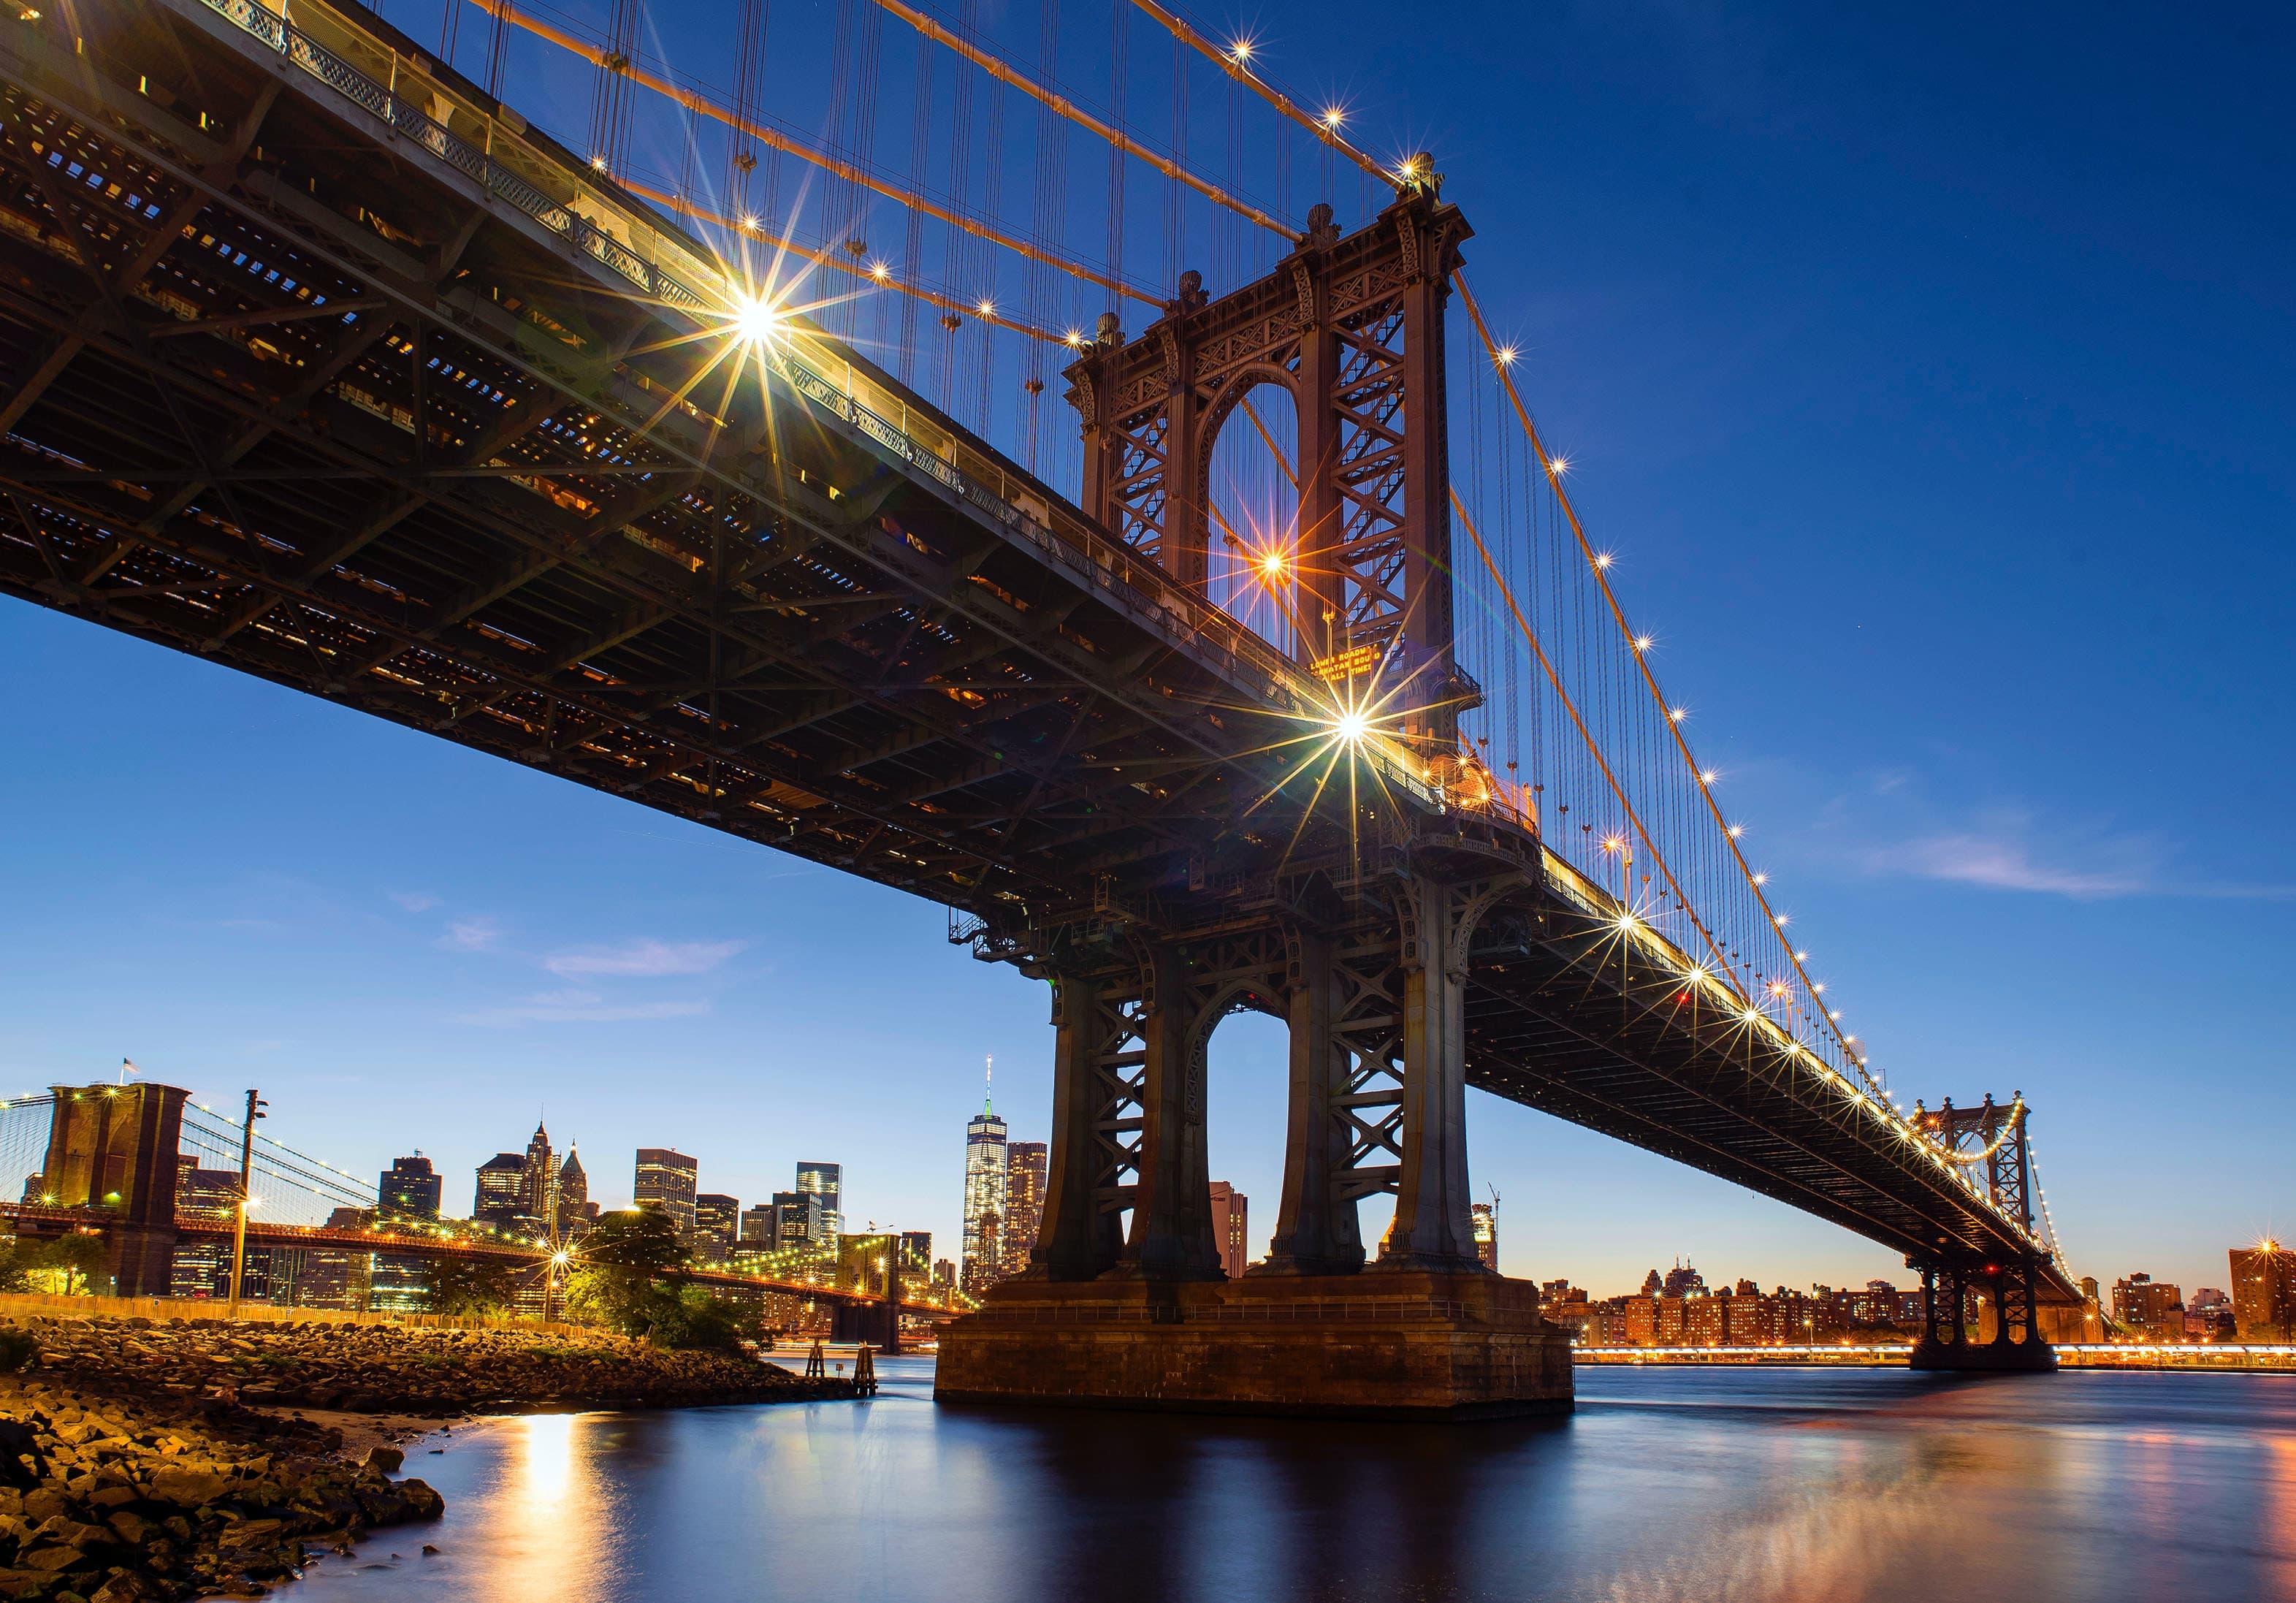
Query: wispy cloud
x,y
578,1007
2094,868
472,935
414,901
647,959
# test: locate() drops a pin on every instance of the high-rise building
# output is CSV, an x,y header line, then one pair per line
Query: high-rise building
x,y
1231,1208
2152,1310
758,1225
410,1188
1683,1281
987,1180
214,1192
824,1182
2264,1291
1024,1204
667,1180
1485,1219
501,1193
717,1224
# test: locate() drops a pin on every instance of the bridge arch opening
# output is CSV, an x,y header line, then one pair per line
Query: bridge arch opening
x,y
1252,507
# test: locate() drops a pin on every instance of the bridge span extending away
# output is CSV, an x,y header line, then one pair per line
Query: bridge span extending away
x,y
322,364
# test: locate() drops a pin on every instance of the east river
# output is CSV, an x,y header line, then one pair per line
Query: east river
x,y
1715,1485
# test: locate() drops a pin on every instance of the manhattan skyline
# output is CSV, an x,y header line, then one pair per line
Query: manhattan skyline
x,y
1944,456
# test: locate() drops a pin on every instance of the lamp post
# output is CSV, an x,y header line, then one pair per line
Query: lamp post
x,y
255,1107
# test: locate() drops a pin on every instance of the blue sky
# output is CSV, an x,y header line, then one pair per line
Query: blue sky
x,y
1929,372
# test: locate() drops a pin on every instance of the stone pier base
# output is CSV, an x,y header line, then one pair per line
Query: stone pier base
x,y
1380,1344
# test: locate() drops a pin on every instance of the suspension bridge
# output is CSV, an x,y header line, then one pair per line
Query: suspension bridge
x,y
704,456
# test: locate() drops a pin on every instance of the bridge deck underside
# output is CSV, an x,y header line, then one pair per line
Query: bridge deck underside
x,y
505,498
1565,1015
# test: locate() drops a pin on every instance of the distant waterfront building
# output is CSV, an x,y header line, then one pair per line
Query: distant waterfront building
x,y
717,1224
824,1182
987,1180
667,1181
501,1191
2264,1291
212,1192
944,1274
410,1188
1485,1219
2151,1310
1231,1230
1024,1204
1683,1281
757,1225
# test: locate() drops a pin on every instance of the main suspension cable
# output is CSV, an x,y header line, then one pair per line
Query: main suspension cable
x,y
1060,104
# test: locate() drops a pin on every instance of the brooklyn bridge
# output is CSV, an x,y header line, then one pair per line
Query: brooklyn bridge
x,y
1282,677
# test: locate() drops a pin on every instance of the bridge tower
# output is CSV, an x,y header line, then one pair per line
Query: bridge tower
x,y
2007,1286
1351,327
1360,947
112,1150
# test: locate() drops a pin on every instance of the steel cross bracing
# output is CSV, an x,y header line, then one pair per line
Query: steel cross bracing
x,y
300,378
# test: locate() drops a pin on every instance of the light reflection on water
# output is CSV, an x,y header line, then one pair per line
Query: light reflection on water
x,y
1724,1486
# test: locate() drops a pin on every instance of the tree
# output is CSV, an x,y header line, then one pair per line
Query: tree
x,y
468,1287
67,1265
631,1278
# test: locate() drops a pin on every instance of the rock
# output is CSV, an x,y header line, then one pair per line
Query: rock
x,y
188,1488
387,1460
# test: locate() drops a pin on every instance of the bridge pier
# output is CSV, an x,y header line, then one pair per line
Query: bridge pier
x,y
1143,1317
2008,1293
112,1148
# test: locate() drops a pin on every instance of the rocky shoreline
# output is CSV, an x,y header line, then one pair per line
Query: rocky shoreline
x,y
144,1458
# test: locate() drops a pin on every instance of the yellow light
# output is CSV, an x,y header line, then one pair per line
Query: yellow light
x,y
749,224
987,308
756,321
1073,337
1351,726
1604,559
1242,50
1643,643
1780,921
1559,465
1272,564
1736,830
598,164
1334,116
1614,843
1707,776
1506,355
1835,1015
1678,714
879,271
1819,988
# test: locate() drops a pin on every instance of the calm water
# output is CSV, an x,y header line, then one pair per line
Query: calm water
x,y
1714,1485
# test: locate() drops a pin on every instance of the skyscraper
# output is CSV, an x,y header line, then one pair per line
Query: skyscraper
x,y
717,1224
758,1225
1485,1219
410,1188
1230,1209
537,1184
797,1219
667,1180
575,1211
987,1185
824,1182
502,1183
1024,1204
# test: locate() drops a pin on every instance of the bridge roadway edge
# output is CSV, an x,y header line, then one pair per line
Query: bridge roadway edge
x,y
1379,1344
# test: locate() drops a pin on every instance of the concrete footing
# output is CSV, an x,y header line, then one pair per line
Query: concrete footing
x,y
1400,1344
2032,1357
